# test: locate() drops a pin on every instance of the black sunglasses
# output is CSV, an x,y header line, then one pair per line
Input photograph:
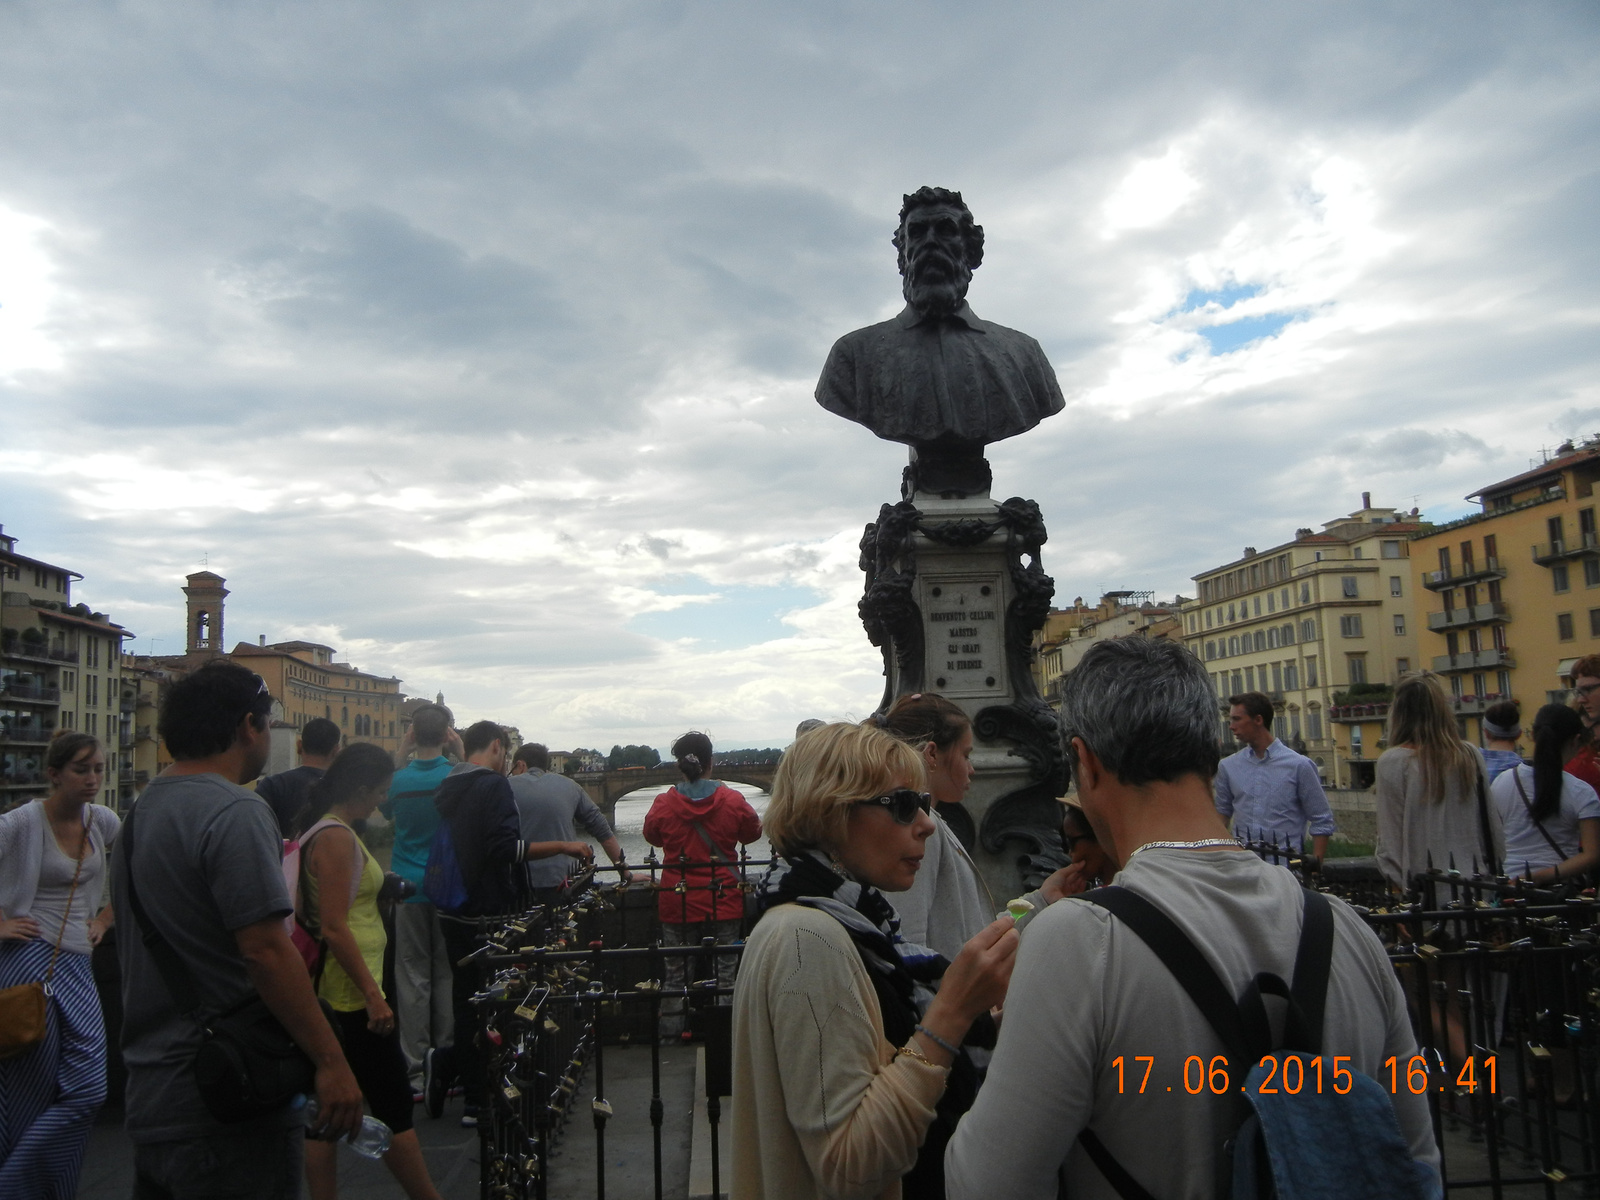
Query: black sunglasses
x,y
903,804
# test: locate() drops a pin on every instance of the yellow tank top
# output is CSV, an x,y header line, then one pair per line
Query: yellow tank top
x,y
340,991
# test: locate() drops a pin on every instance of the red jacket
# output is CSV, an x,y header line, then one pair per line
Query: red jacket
x,y
711,893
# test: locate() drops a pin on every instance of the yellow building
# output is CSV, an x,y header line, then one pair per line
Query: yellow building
x,y
1068,633
60,668
303,678
1324,625
1513,591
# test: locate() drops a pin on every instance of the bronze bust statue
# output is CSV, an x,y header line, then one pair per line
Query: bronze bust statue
x,y
936,377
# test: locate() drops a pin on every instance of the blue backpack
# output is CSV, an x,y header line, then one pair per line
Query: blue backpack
x,y
442,882
1322,1146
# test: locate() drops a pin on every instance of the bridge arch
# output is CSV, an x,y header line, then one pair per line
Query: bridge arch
x,y
605,788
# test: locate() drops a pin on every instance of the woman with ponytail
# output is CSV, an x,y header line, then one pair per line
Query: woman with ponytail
x,y
949,904
698,824
339,886
1552,818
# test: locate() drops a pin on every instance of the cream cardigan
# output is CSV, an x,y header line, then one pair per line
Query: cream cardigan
x,y
822,1106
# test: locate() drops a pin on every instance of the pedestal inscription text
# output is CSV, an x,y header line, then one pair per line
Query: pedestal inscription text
x,y
965,634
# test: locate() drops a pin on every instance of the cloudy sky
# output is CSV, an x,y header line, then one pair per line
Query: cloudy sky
x,y
478,340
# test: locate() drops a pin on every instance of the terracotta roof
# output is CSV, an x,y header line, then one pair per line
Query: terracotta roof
x,y
1553,467
75,619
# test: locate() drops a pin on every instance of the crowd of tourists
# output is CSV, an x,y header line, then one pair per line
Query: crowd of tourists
x,y
899,1030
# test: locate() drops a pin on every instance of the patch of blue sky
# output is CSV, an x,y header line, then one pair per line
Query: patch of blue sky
x,y
1224,339
1226,296
739,616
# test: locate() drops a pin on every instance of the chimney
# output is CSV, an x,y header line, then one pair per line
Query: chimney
x,y
1249,551
1366,501
261,639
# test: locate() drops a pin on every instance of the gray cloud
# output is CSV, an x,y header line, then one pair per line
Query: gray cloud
x,y
448,333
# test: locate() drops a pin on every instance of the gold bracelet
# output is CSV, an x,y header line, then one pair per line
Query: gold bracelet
x,y
911,1051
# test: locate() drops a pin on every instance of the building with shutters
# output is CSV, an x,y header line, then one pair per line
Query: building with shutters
x,y
1324,624
1512,592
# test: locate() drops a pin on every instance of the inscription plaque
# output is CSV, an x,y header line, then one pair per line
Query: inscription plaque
x,y
964,616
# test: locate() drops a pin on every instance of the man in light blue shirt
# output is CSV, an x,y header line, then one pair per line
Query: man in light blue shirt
x,y
1268,791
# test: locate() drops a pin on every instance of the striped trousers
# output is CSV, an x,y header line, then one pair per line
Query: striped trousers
x,y
50,1094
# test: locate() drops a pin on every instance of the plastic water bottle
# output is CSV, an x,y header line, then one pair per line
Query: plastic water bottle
x,y
370,1141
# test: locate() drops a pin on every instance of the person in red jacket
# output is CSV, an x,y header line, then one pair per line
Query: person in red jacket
x,y
697,825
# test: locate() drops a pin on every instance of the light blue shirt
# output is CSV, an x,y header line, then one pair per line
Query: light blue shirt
x,y
1273,797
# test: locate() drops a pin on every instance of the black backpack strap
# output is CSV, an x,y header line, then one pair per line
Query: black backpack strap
x,y
1243,1041
1313,963
1116,1175
172,969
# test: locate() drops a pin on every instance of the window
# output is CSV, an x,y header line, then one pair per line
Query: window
x,y
1305,593
1391,550
1258,606
1272,602
1586,525
1311,674
1230,612
1286,635
1452,643
91,689
1400,624
1356,553
1594,622
1233,645
1314,726
1294,724
1260,640
1591,572
1401,666
89,724
1350,625
1272,638
1553,527
1277,677
1558,577
1357,665
69,681
1308,630
1355,741
1285,600
1394,585
1504,679
1249,679
1291,676
1351,587
1444,561
1211,651
1564,626
1491,551
1208,618
1238,682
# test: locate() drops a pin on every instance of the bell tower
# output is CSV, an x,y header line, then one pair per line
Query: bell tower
x,y
203,637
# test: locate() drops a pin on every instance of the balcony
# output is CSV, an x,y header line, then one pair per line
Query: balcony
x,y
1460,618
25,735
1473,706
1473,660
1436,581
1355,713
1587,545
36,693
125,739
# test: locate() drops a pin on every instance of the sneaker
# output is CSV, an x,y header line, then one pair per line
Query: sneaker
x,y
469,1116
433,1084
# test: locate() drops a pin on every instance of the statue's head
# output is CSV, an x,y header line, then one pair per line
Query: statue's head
x,y
939,245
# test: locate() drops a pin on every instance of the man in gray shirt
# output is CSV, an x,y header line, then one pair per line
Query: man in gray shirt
x,y
206,866
551,807
1090,1004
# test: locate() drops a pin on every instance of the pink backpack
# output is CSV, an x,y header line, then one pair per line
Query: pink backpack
x,y
311,947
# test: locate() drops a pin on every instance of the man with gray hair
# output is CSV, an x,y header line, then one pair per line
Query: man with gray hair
x,y
1064,1089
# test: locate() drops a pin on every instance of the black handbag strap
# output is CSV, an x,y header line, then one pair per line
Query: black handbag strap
x,y
717,856
1243,1027
1516,777
173,970
1485,829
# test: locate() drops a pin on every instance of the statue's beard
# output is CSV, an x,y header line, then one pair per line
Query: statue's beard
x,y
936,285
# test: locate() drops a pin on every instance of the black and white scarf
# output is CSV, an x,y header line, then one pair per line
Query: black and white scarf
x,y
901,971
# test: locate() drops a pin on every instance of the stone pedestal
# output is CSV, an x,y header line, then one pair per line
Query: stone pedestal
x,y
954,593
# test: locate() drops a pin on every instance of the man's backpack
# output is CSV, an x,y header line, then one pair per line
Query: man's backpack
x,y
442,881
1318,1144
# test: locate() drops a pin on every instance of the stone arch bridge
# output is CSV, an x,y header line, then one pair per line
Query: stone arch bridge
x,y
605,788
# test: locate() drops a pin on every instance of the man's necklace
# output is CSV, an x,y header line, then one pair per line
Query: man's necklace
x,y
1201,844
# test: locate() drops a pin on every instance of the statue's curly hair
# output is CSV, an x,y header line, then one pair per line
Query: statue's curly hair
x,y
971,231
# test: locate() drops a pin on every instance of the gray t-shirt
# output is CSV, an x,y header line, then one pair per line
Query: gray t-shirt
x,y
207,862
1087,990
550,807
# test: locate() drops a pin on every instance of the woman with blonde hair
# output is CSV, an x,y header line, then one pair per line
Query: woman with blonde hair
x,y
1432,791
841,1051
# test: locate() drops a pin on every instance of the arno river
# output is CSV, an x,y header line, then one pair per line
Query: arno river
x,y
631,810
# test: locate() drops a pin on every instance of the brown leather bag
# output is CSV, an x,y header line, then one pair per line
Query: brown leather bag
x,y
25,1008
